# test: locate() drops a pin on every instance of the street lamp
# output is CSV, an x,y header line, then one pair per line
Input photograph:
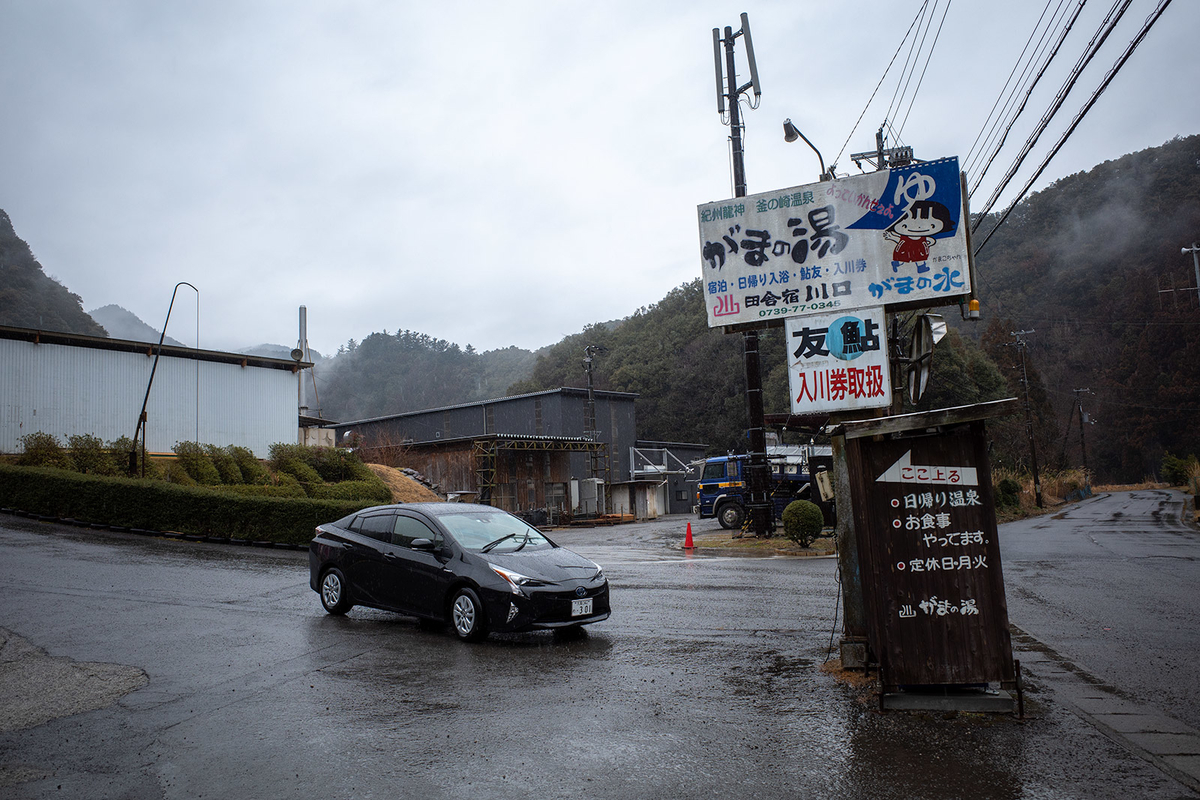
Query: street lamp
x,y
791,133
141,423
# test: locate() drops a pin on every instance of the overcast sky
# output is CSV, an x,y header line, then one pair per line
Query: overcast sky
x,y
491,174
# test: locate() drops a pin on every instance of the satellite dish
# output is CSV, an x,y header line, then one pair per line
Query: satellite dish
x,y
920,351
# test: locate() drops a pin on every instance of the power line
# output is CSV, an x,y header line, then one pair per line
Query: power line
x,y
1106,28
882,78
1064,31
988,124
1112,73
907,60
928,56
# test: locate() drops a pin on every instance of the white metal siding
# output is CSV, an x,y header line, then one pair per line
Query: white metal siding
x,y
76,390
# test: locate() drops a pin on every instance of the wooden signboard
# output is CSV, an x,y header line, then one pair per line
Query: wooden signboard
x,y
933,587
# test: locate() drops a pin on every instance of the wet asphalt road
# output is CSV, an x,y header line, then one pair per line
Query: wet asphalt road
x,y
1114,583
706,682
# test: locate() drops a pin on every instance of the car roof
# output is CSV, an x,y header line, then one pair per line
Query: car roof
x,y
433,508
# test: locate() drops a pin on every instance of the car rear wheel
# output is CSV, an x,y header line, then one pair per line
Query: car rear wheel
x,y
467,614
334,596
731,516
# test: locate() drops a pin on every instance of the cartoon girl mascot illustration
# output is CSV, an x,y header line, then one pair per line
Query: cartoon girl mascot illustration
x,y
913,233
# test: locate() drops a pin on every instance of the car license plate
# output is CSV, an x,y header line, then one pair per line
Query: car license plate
x,y
581,607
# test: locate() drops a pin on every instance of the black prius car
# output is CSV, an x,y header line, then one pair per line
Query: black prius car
x,y
477,567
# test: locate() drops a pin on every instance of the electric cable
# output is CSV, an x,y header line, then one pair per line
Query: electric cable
x,y
882,78
1062,37
1112,73
989,125
907,59
915,56
1008,117
1102,34
928,56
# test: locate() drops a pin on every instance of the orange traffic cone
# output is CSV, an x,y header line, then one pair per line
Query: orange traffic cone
x,y
687,542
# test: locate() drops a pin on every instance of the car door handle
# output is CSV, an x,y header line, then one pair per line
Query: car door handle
x,y
391,557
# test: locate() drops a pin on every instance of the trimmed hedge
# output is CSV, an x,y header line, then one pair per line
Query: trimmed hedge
x,y
155,505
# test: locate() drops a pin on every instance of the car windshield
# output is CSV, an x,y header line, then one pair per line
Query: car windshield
x,y
489,531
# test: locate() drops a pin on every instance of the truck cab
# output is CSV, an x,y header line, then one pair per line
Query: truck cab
x,y
723,491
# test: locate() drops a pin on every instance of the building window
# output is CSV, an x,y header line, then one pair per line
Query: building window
x,y
489,420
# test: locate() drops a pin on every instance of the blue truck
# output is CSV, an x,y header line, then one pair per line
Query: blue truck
x,y
723,492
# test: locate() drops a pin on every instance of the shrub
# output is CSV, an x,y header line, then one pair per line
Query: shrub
x,y
227,468
1008,492
375,491
193,457
300,471
43,450
120,448
89,456
175,472
290,489
251,468
1175,470
802,521
332,464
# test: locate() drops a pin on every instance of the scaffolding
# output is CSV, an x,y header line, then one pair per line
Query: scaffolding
x,y
485,451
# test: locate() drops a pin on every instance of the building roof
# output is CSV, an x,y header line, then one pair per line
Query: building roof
x,y
148,348
508,437
480,403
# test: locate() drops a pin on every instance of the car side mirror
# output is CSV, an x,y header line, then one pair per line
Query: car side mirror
x,y
422,544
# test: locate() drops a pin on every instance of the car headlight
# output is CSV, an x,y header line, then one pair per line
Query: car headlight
x,y
515,580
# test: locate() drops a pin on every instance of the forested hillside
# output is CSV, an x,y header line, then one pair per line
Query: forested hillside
x,y
30,299
408,371
1093,266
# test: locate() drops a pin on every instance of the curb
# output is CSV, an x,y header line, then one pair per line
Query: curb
x,y
176,535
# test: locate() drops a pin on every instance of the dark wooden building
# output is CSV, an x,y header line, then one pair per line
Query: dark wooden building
x,y
521,453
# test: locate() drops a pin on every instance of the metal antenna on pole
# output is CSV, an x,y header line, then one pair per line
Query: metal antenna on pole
x,y
761,516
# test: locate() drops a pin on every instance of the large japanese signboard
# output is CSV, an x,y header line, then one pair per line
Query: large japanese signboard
x,y
838,361
886,238
930,558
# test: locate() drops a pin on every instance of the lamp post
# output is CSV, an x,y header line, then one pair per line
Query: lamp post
x,y
141,423
791,133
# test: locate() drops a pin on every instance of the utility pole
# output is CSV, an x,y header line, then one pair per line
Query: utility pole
x,y
589,416
1194,250
1082,419
1037,481
761,515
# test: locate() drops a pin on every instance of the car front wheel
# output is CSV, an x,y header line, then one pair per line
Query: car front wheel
x,y
334,596
466,612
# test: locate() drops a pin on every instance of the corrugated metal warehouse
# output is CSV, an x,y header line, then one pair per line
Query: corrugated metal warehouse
x,y
555,412
520,453
65,385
